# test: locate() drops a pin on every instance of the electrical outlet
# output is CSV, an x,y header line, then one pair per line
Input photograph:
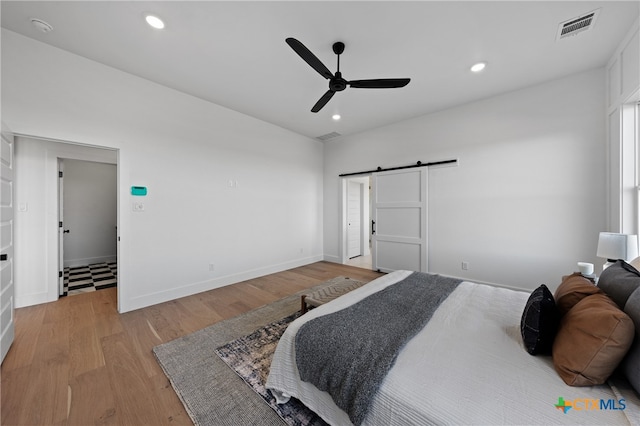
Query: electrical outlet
x,y
138,207
465,266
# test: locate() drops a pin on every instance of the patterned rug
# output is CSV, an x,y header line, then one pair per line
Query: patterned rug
x,y
250,357
83,279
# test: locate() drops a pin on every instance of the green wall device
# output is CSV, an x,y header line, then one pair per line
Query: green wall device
x,y
139,191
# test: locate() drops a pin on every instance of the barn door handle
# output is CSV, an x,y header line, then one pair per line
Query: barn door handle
x,y
373,227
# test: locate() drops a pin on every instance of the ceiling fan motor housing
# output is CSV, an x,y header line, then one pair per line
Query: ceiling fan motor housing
x,y
337,83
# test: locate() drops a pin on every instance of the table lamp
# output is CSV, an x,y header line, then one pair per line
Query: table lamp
x,y
612,247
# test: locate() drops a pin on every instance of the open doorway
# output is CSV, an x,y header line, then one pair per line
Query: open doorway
x,y
87,226
37,260
357,219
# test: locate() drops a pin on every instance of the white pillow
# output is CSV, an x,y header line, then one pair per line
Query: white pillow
x,y
635,263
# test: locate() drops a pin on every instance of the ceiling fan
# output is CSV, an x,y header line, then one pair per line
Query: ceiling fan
x,y
336,82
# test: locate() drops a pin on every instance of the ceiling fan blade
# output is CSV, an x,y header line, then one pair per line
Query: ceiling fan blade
x,y
380,83
309,57
323,101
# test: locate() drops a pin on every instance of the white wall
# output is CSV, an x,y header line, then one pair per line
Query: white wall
x,y
526,201
623,95
186,151
90,212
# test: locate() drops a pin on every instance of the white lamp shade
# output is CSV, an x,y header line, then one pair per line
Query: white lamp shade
x,y
613,246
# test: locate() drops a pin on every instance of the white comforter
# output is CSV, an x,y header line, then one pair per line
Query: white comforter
x,y
467,366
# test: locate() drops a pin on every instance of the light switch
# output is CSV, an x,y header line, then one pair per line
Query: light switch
x,y
23,207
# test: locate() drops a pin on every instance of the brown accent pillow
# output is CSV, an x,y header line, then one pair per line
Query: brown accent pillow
x,y
573,289
593,338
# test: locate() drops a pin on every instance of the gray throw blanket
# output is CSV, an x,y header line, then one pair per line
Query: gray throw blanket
x,y
348,353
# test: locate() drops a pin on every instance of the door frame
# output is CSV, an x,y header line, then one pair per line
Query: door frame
x,y
95,157
55,150
64,226
365,210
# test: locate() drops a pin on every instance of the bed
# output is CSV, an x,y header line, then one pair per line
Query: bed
x,y
467,365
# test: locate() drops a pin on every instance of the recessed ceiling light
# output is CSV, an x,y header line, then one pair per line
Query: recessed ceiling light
x,y
154,21
478,67
41,25
336,117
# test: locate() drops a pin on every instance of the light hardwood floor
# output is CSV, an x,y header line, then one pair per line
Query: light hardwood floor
x,y
78,362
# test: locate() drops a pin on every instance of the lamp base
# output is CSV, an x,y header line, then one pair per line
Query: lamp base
x,y
608,263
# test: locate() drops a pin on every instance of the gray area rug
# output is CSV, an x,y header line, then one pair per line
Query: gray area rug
x,y
211,392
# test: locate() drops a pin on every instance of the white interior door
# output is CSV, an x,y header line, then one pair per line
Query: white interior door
x,y
354,224
399,200
60,226
7,330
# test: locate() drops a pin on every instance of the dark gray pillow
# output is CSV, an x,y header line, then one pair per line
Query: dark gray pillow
x,y
618,281
631,364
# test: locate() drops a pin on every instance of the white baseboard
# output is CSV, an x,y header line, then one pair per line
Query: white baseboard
x,y
72,263
32,299
198,287
510,287
331,258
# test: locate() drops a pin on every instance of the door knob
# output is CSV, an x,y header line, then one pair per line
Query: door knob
x,y
66,231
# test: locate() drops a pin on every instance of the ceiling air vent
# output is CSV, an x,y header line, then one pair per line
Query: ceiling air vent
x,y
577,25
328,136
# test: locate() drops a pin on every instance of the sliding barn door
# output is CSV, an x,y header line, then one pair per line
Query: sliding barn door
x,y
399,215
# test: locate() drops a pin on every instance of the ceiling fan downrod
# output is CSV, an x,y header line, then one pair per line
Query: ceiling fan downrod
x,y
337,83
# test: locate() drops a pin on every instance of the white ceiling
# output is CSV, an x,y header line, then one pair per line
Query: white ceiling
x,y
234,53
